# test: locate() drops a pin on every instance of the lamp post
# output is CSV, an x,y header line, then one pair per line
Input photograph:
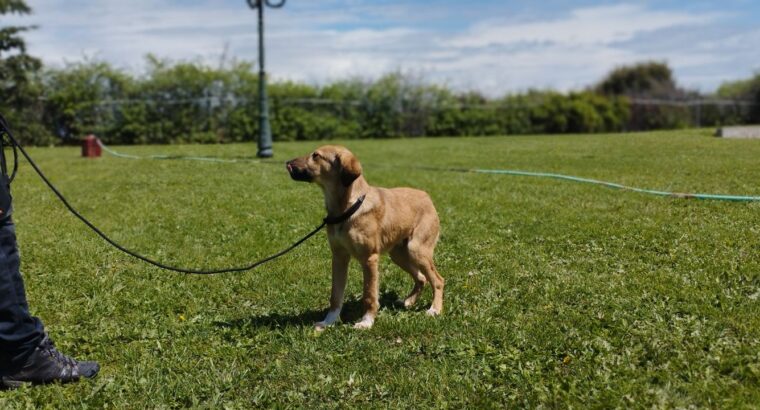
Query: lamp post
x,y
265,131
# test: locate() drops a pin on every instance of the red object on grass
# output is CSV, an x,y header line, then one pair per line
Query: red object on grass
x,y
90,147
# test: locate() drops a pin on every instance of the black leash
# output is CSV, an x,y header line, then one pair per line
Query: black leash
x,y
5,131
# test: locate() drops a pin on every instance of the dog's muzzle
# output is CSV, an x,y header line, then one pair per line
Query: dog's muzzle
x,y
298,174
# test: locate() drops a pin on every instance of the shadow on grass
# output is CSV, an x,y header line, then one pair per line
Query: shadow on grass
x,y
352,311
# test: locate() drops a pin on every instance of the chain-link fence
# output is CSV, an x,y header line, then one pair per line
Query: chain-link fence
x,y
231,118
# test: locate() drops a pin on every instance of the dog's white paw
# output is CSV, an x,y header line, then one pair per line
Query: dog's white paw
x,y
365,323
320,326
332,317
432,312
403,303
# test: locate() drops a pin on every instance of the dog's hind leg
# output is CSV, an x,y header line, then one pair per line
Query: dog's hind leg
x,y
400,256
437,282
340,260
421,250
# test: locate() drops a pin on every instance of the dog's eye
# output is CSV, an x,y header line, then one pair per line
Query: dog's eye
x,y
315,156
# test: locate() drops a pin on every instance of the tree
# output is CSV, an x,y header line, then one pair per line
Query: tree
x,y
20,93
649,79
741,89
15,63
748,89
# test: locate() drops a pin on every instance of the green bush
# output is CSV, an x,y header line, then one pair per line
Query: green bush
x,y
747,90
180,102
77,99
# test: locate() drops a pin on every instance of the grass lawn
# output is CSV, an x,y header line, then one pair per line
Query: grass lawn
x,y
558,294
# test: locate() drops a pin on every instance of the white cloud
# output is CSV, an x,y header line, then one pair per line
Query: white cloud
x,y
332,39
594,25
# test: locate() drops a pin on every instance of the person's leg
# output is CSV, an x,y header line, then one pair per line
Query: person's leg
x,y
27,355
20,333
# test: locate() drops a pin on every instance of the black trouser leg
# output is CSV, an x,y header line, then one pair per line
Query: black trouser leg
x,y
20,332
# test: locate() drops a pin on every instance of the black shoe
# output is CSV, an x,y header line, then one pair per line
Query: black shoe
x,y
48,365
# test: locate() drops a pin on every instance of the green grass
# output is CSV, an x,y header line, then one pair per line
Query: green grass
x,y
558,294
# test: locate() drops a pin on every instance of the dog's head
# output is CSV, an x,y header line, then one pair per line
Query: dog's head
x,y
327,165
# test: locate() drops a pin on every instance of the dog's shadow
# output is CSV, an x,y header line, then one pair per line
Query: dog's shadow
x,y
352,311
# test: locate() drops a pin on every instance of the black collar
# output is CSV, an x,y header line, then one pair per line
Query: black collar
x,y
334,220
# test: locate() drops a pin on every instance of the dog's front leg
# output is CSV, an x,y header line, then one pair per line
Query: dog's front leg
x,y
340,261
370,297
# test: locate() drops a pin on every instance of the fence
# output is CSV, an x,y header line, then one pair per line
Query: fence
x,y
232,118
694,113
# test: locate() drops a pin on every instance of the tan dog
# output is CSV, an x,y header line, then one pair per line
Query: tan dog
x,y
401,221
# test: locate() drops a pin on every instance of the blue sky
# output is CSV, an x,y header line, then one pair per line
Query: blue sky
x,y
491,46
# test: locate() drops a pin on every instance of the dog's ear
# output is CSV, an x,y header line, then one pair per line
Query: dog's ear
x,y
350,168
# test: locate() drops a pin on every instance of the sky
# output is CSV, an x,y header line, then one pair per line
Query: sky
x,y
491,46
